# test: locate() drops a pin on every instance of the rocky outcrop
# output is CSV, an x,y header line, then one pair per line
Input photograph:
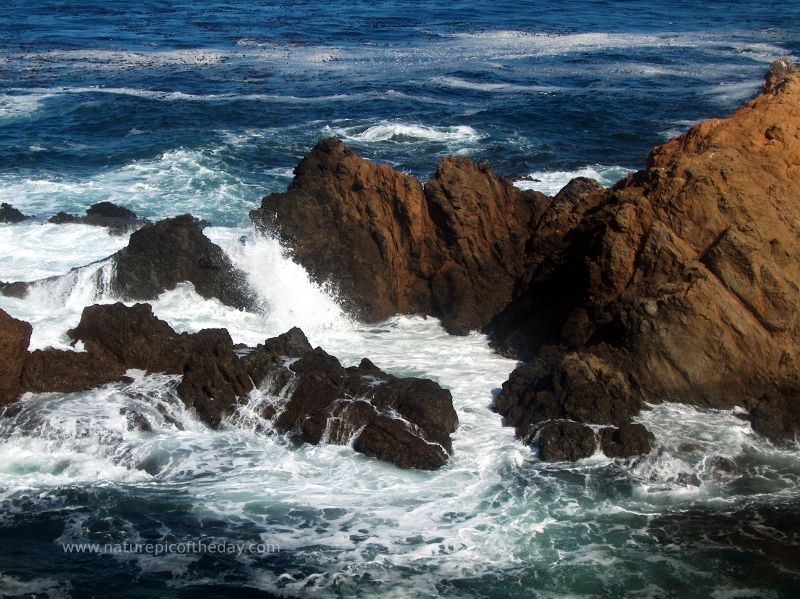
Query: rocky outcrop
x,y
403,421
682,280
117,219
160,256
310,395
9,214
174,250
453,248
15,335
213,377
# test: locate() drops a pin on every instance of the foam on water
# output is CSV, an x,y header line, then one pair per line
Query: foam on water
x,y
406,133
494,510
551,182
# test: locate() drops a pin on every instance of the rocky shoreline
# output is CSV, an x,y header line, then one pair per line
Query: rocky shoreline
x,y
679,283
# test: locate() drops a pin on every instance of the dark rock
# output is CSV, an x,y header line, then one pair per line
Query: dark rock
x,y
564,440
776,415
117,219
453,249
160,256
15,335
9,214
572,386
213,376
68,371
403,421
63,218
136,421
17,289
131,336
626,441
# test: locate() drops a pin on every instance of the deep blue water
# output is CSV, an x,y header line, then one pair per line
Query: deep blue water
x,y
204,107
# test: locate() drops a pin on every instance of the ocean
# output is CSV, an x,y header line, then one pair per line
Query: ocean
x,y
205,107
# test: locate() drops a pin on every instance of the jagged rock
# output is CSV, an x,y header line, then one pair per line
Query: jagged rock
x,y
15,335
452,249
160,256
132,337
17,289
9,214
625,441
68,371
117,219
564,440
683,278
403,421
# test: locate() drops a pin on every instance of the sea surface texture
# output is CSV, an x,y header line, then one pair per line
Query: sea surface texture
x,y
205,107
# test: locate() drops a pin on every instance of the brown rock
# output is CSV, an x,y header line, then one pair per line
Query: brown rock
x,y
625,441
452,249
15,335
68,371
684,276
564,440
403,421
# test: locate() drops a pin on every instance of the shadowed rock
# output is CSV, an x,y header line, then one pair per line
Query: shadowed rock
x,y
174,250
15,335
68,371
9,214
564,440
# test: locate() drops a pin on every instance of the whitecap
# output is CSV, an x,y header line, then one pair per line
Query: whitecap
x,y
406,133
551,182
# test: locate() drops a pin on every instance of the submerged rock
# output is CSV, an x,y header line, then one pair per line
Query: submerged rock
x,y
15,335
9,214
403,421
452,249
117,219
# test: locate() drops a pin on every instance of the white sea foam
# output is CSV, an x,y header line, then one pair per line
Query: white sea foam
x,y
406,133
13,107
551,182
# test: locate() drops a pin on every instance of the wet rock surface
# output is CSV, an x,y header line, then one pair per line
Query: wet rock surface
x,y
117,219
15,335
403,421
452,249
10,215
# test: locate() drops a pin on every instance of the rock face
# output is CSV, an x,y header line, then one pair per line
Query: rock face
x,y
15,335
160,256
403,421
9,214
68,371
682,280
452,248
117,219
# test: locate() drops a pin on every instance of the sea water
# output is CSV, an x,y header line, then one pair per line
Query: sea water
x,y
202,107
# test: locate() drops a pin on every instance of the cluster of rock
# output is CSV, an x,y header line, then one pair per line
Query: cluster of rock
x,y
9,214
679,283
117,219
403,421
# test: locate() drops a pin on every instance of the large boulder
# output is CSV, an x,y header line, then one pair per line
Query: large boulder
x,y
683,278
452,249
160,256
15,335
403,421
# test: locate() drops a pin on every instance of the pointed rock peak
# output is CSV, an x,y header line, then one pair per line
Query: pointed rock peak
x,y
779,72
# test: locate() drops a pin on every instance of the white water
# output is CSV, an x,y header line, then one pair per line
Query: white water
x,y
551,182
493,509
